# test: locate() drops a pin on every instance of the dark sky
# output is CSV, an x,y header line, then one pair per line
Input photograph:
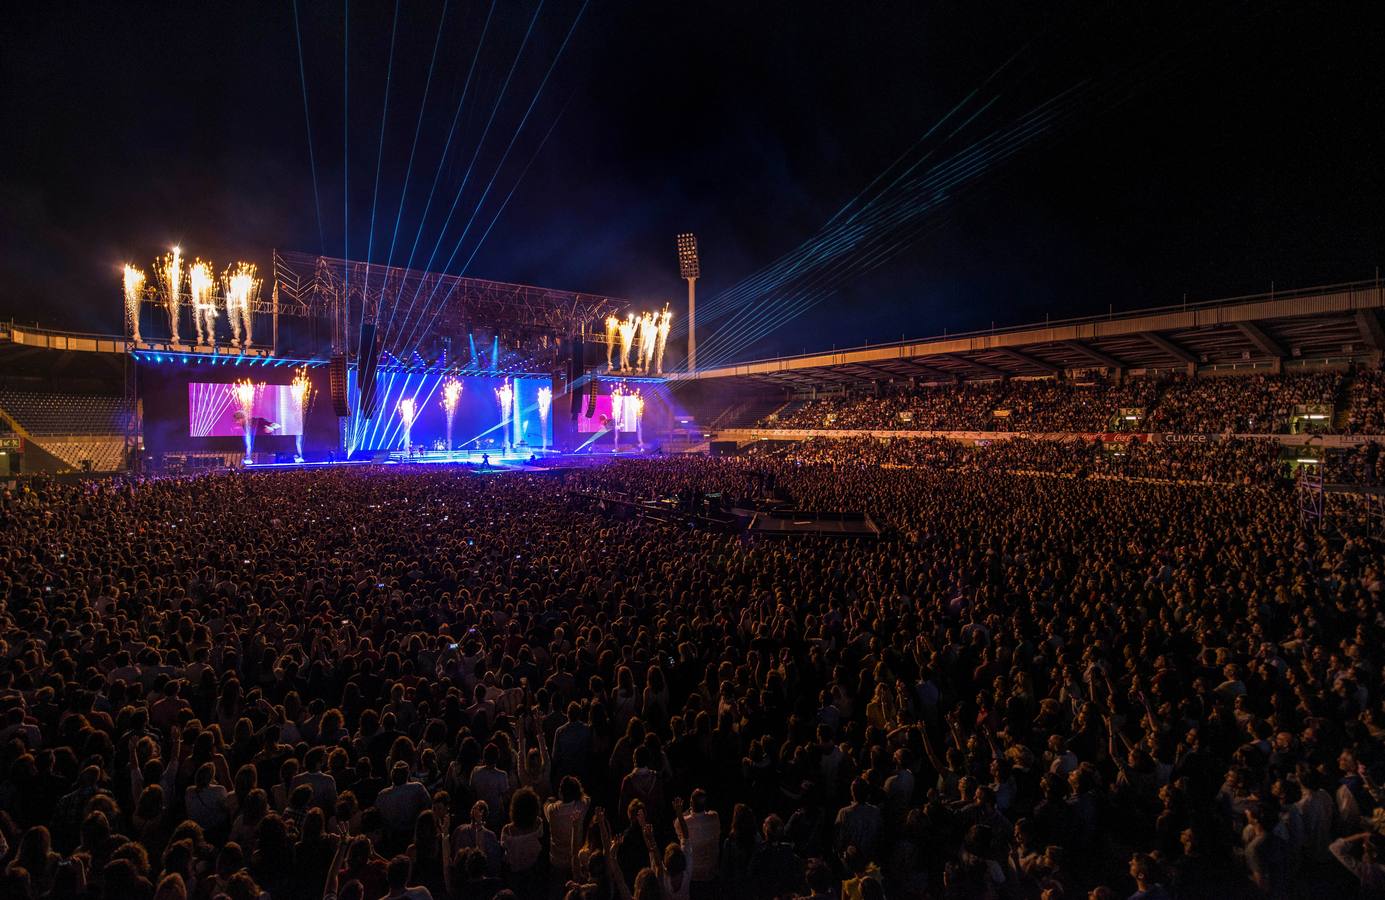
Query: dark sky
x,y
1218,147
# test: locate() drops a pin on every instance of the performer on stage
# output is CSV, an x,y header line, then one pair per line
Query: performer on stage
x,y
259,424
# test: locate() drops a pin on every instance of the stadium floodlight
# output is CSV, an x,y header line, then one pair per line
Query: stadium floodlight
x,y
687,256
690,269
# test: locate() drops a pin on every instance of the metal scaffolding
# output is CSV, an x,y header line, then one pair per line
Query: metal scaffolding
x,y
411,306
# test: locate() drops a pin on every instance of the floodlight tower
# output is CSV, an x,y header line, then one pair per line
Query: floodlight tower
x,y
690,269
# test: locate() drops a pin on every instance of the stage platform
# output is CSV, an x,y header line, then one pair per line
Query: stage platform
x,y
523,459
837,525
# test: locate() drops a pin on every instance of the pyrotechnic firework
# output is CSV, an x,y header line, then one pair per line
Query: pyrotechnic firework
x,y
242,290
627,337
545,404
408,411
169,271
649,337
302,390
506,395
134,293
244,394
665,324
451,394
619,396
634,410
612,330
202,294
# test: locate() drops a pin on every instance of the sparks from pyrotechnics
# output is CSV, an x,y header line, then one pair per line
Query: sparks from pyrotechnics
x,y
451,394
665,324
634,411
169,271
244,393
408,410
242,290
648,338
612,329
302,390
627,337
202,293
134,292
506,395
545,397
618,396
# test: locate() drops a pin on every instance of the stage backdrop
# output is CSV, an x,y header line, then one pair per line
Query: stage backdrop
x,y
187,407
476,423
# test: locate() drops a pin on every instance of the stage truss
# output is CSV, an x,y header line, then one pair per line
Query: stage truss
x,y
411,307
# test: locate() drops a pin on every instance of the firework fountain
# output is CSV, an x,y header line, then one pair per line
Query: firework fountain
x,y
545,404
244,394
612,330
169,271
505,394
649,337
134,292
408,411
634,409
451,394
665,324
242,290
302,390
618,397
627,337
202,294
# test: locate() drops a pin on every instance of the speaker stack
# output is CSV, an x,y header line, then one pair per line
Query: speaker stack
x,y
366,361
575,369
336,375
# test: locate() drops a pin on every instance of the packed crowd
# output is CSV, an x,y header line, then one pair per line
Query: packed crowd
x,y
1263,404
1242,404
1233,460
963,407
374,683
1367,403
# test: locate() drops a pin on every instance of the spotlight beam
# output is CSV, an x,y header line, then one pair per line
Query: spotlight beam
x,y
380,149
442,161
466,177
308,123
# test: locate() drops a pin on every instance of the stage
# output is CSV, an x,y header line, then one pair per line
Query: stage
x,y
524,459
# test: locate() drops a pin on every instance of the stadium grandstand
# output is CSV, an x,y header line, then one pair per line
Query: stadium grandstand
x,y
347,573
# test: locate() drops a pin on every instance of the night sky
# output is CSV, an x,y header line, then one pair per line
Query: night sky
x,y
1212,148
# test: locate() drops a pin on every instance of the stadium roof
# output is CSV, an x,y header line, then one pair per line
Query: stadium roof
x,y
1332,322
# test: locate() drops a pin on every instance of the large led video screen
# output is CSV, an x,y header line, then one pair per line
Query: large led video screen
x,y
476,422
605,415
214,412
